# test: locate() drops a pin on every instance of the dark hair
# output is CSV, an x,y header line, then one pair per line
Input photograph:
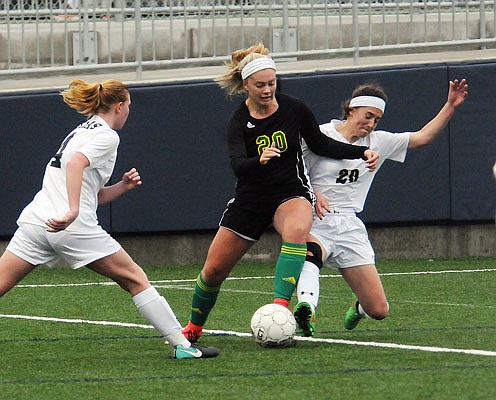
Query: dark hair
x,y
367,89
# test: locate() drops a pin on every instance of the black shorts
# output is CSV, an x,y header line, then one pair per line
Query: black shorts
x,y
250,215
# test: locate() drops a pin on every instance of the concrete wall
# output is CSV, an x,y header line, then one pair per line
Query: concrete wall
x,y
189,38
401,242
478,240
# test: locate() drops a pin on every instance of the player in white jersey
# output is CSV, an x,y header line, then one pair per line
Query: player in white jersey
x,y
341,187
61,220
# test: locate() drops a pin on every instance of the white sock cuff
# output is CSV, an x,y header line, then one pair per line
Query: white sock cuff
x,y
311,267
146,296
361,311
176,338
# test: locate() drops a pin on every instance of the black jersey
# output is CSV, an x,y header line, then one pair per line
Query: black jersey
x,y
293,120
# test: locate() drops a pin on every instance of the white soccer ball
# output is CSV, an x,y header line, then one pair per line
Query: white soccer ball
x,y
273,325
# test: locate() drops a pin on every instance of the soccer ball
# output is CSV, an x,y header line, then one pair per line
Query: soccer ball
x,y
273,325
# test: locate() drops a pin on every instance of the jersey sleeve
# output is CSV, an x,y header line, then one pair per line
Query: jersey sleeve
x,y
322,145
308,157
101,147
392,146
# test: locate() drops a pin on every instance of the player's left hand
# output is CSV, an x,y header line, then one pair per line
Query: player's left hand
x,y
457,92
372,159
321,205
131,179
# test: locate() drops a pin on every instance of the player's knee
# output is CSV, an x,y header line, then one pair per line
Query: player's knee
x,y
213,275
297,233
378,310
314,254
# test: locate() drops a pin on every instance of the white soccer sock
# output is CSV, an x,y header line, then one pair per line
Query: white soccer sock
x,y
308,288
361,311
155,309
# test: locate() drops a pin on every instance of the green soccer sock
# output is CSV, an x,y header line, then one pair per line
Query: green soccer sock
x,y
288,269
204,298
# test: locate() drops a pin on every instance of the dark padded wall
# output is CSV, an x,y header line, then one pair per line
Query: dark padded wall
x,y
175,136
473,145
32,128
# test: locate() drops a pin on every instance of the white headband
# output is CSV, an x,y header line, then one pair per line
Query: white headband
x,y
256,65
368,101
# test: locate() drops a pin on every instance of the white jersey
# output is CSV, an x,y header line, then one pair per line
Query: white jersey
x,y
98,142
346,183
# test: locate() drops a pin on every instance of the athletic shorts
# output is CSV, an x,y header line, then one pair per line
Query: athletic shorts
x,y
37,246
250,216
344,239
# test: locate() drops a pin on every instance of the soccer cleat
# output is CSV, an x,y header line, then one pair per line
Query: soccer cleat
x,y
192,332
305,318
195,351
352,318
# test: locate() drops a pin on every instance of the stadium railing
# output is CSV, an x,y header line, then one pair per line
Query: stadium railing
x,y
44,36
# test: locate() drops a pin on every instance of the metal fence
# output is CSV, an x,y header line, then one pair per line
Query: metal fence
x,y
38,36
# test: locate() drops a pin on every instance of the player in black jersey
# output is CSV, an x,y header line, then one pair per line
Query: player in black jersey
x,y
264,140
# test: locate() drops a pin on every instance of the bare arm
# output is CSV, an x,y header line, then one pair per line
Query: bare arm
x,y
456,96
130,180
74,180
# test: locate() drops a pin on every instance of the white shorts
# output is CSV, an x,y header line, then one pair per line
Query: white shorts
x,y
344,239
37,246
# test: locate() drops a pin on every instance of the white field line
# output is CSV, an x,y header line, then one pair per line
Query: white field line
x,y
242,334
436,304
76,321
252,278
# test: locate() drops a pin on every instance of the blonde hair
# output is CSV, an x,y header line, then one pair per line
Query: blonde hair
x,y
91,98
231,81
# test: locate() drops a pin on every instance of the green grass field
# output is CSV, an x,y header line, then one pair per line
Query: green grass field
x,y
74,335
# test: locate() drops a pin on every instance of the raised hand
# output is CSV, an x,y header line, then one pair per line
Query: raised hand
x,y
457,92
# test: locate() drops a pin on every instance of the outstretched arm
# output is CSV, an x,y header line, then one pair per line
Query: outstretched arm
x,y
130,180
456,96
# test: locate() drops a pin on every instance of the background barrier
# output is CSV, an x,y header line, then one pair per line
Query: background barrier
x,y
77,36
175,136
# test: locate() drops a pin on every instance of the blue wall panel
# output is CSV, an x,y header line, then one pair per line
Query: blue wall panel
x,y
473,145
176,138
32,129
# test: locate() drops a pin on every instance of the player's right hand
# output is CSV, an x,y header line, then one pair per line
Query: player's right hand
x,y
268,153
59,224
372,159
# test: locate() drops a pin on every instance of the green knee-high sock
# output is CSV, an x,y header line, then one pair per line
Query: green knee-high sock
x,y
204,298
288,269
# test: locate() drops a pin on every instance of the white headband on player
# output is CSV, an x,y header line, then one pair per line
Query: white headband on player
x,y
368,101
256,65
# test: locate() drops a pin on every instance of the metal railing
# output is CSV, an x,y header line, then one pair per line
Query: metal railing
x,y
41,36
